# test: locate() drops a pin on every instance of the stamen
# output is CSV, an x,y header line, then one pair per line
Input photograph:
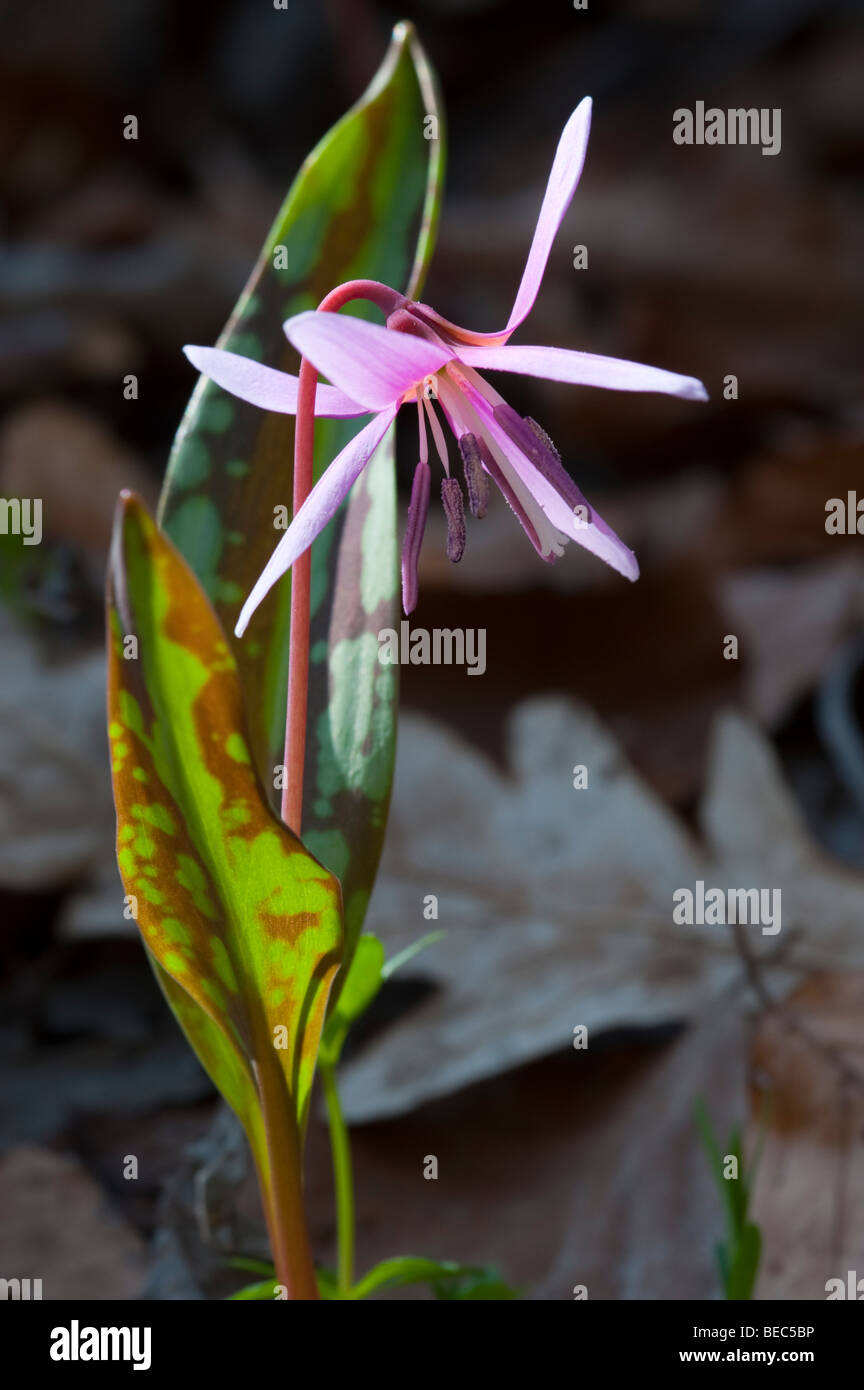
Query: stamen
x,y
545,458
437,432
498,476
462,411
454,510
421,415
542,436
475,479
418,510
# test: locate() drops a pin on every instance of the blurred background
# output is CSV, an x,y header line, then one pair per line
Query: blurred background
x,y
561,1166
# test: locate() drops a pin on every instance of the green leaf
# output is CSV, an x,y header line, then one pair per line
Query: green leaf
x,y
365,204
448,1280
483,1285
365,976
738,1256
742,1275
250,1266
362,982
410,1269
724,1186
242,924
264,1290
403,957
328,1286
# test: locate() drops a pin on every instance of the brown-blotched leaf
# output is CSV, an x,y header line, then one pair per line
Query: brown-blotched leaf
x,y
242,923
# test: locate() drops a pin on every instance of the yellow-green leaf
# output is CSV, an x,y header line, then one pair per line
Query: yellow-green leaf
x,y
243,924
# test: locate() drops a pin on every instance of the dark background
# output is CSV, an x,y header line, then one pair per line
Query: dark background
x,y
708,261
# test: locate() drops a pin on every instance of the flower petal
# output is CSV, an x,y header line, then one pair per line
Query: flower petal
x,y
374,365
563,178
563,503
463,420
320,506
583,369
509,487
265,387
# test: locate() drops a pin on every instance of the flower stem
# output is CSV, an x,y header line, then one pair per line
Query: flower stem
x,y
282,1186
301,575
301,588
343,1179
286,1217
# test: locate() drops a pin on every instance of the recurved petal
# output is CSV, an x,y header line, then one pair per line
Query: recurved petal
x,y
320,506
265,387
560,500
583,369
373,365
563,178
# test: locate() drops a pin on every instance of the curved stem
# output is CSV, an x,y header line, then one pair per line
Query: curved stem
x,y
284,1208
301,575
343,1179
301,588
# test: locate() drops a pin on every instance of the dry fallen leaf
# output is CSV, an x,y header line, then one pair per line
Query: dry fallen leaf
x,y
56,815
557,903
594,1154
75,464
57,1227
789,626
809,1191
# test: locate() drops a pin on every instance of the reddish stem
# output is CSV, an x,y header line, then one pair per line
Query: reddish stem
x,y
283,1195
301,575
301,586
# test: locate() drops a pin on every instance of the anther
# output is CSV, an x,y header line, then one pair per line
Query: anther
x,y
476,482
542,436
418,510
454,510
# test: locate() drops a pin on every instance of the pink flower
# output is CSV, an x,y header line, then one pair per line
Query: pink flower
x,y
421,358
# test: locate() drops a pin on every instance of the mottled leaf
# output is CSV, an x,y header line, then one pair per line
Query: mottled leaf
x,y
363,205
242,923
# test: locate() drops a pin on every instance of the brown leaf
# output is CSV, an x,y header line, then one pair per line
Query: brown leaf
x,y
809,1191
557,903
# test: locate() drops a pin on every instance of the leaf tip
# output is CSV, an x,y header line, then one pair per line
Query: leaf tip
x,y
130,513
130,519
404,32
